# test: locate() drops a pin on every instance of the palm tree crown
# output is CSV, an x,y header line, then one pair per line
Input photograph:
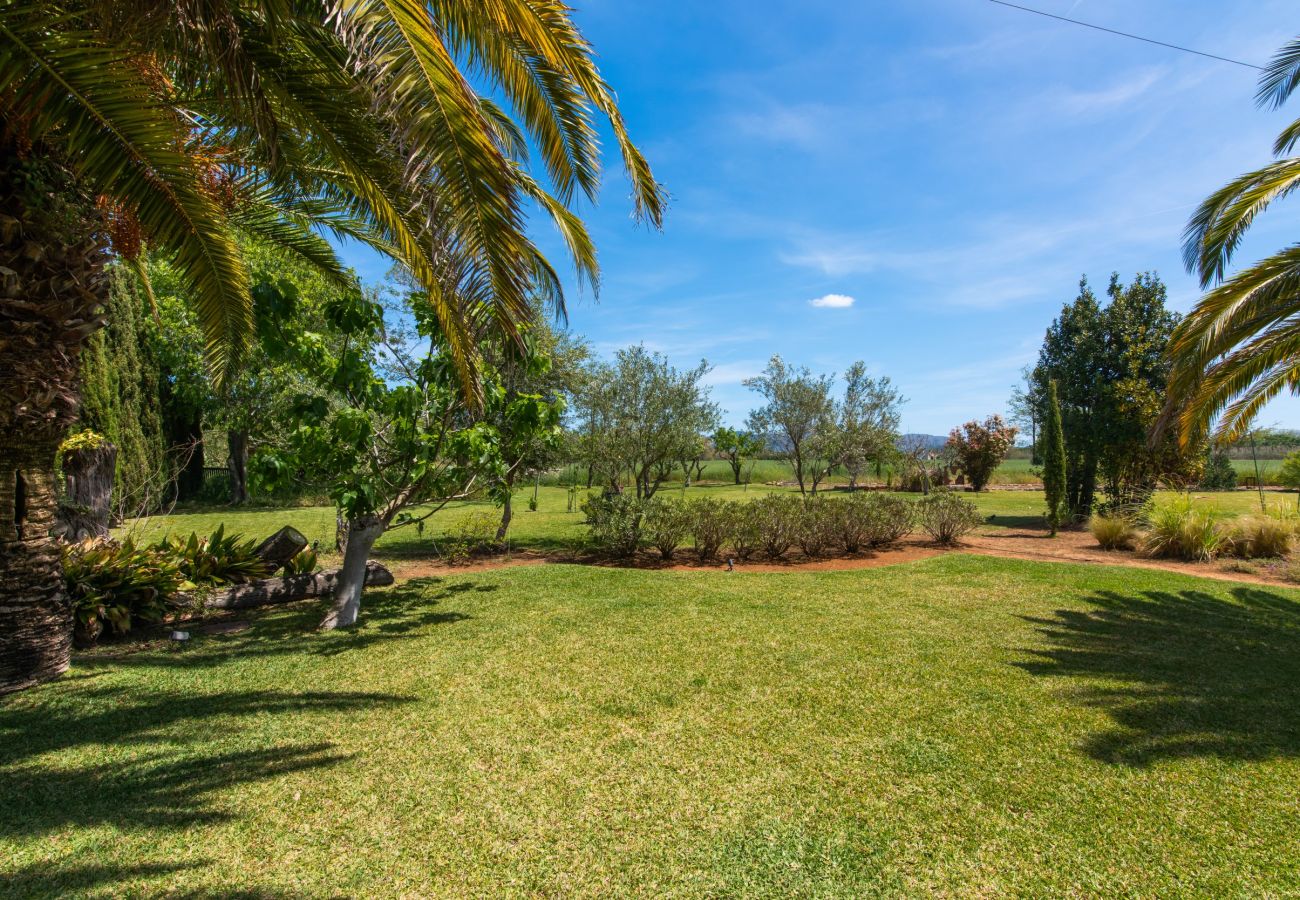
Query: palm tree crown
x,y
193,119
1240,346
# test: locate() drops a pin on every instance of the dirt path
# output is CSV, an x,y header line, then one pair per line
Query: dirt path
x,y
1012,543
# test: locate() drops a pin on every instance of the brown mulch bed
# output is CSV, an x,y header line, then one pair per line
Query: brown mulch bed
x,y
1014,543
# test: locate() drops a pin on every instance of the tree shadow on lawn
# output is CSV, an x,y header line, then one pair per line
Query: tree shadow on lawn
x,y
401,612
1182,674
46,880
171,783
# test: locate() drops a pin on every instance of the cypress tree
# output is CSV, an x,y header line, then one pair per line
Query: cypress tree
x,y
120,400
1053,459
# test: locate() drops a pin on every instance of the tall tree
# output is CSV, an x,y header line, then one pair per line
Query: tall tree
x,y
1111,370
797,406
177,125
1053,459
864,427
640,415
1023,410
1240,345
119,397
383,445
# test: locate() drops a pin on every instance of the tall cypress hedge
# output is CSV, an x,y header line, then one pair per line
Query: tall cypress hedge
x,y
119,397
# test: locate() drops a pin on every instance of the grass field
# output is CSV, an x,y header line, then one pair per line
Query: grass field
x,y
1012,471
552,527
960,726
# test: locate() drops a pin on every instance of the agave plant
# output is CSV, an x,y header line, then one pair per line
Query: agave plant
x,y
172,125
1240,346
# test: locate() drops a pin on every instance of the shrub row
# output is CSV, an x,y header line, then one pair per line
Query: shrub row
x,y
772,525
1178,530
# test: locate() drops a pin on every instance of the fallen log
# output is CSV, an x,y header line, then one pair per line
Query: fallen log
x,y
290,588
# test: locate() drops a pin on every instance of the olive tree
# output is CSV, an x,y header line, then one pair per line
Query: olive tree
x,y
638,416
797,406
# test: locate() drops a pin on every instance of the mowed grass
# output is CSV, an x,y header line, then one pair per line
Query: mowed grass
x,y
552,527
961,726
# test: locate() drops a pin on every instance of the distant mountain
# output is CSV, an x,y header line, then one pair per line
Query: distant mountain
x,y
928,441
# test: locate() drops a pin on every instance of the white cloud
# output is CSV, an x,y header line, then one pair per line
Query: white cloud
x,y
832,301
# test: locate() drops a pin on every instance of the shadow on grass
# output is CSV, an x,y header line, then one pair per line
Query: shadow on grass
x,y
401,612
45,880
129,762
1182,674
1028,523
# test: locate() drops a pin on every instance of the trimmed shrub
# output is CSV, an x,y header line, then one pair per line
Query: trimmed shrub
x,y
117,585
665,526
872,520
711,523
776,518
472,533
893,518
855,522
614,523
946,516
1180,531
743,528
1219,474
816,526
1113,532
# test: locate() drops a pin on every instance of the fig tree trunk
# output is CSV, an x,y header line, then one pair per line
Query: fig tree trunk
x,y
362,534
52,292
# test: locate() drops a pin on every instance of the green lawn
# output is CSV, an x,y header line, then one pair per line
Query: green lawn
x,y
552,527
963,726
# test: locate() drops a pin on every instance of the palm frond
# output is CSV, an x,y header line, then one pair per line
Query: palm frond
x,y
1219,224
1281,76
113,132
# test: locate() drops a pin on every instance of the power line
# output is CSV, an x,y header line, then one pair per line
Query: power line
x,y
1136,37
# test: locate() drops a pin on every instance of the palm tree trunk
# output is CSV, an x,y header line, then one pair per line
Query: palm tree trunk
x,y
52,292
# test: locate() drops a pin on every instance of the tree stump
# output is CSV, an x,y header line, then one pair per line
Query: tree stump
x,y
281,547
88,486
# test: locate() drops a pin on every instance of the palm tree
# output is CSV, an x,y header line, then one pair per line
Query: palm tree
x,y
173,125
1240,346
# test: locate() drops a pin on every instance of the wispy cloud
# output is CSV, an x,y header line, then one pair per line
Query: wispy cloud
x,y
832,301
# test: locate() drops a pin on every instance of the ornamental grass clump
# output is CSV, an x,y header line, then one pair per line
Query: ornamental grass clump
x,y
1258,537
1114,531
1178,530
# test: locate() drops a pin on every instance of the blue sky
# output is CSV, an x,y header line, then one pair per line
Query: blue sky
x,y
953,166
